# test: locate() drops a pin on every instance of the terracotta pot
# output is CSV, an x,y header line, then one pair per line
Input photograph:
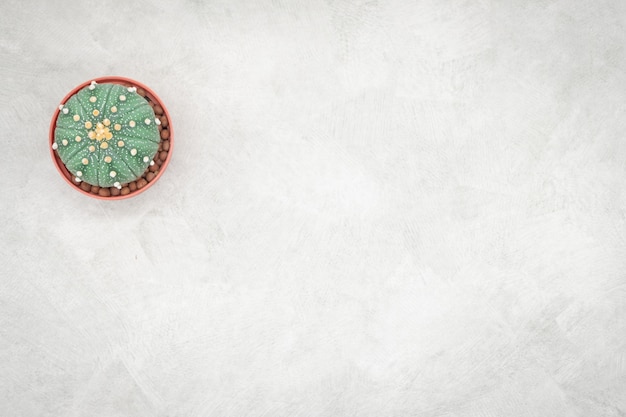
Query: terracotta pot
x,y
126,82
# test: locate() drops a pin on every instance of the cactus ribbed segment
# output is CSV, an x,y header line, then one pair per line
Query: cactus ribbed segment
x,y
106,135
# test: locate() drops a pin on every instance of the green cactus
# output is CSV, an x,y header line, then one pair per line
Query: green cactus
x,y
106,135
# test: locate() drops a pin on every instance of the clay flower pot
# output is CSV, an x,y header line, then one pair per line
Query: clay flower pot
x,y
108,155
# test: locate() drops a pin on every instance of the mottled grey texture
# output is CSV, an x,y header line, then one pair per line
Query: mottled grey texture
x,y
394,208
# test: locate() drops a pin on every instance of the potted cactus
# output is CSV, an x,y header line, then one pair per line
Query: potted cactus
x,y
111,138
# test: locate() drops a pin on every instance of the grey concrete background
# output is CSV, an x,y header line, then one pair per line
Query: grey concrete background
x,y
374,208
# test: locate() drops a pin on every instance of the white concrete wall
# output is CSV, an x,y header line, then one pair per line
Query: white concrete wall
x,y
376,208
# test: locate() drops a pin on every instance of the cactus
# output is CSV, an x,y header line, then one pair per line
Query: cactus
x,y
106,135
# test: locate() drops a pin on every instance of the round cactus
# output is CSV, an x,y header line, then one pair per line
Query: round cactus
x,y
106,135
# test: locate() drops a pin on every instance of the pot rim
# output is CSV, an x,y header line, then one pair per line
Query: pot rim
x,y
60,166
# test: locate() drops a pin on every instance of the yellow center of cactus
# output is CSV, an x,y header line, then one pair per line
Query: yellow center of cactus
x,y
101,132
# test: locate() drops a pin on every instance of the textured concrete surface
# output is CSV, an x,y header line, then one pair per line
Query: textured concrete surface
x,y
374,208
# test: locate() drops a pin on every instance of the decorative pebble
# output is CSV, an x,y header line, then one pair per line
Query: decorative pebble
x,y
104,192
104,145
85,161
146,159
133,152
163,155
125,191
88,125
78,138
153,168
107,159
150,176
147,121
96,112
85,187
117,126
165,134
64,142
92,99
76,117
122,97
131,123
158,109
141,182
113,109
55,146
112,174
66,110
166,145
132,186
114,191
95,189
120,144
